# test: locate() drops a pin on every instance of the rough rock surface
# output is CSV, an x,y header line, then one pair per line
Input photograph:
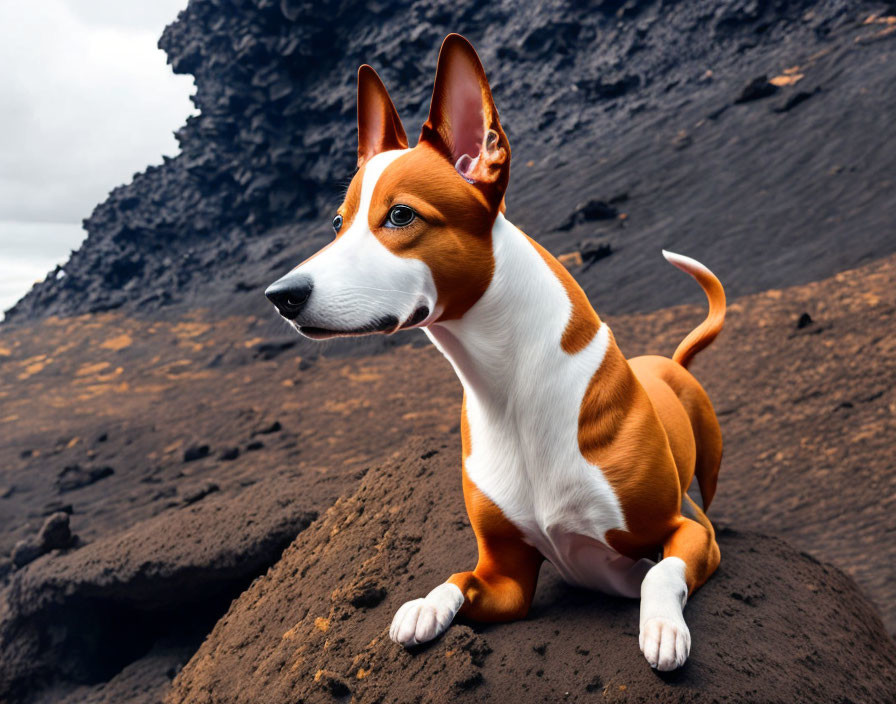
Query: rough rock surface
x,y
84,616
54,534
635,104
773,625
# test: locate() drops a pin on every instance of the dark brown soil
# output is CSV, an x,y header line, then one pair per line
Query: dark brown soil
x,y
807,408
773,625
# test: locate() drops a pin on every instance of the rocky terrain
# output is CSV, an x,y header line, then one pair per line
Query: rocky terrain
x,y
224,444
755,136
324,637
198,506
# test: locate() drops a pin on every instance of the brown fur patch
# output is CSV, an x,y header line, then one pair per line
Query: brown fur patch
x,y
349,208
620,432
583,321
455,128
696,444
379,127
646,423
452,234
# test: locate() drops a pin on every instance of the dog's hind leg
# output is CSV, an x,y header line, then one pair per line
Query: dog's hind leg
x,y
690,556
500,588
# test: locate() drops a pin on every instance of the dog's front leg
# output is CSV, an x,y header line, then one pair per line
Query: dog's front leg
x,y
499,589
421,620
690,556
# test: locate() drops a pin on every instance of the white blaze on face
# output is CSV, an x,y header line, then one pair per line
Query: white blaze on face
x,y
357,281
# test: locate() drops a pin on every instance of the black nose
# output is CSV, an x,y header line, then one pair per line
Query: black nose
x,y
290,294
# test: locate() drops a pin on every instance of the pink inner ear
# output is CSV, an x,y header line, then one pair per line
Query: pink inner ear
x,y
464,111
479,169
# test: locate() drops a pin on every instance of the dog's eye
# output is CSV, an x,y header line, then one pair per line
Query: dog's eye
x,y
400,216
337,223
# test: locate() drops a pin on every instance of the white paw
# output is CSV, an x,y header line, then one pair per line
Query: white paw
x,y
421,620
665,643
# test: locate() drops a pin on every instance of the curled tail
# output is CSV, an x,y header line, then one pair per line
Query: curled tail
x,y
705,332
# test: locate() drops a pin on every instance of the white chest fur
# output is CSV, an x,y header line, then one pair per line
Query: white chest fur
x,y
523,397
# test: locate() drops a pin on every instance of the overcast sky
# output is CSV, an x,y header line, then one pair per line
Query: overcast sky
x,y
87,100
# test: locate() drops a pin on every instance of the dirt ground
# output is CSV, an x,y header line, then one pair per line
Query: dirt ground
x,y
199,418
761,627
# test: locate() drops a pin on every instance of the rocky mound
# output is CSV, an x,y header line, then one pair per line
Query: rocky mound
x,y
754,136
772,625
158,586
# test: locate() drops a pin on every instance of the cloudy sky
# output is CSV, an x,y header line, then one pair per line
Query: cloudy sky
x,y
87,101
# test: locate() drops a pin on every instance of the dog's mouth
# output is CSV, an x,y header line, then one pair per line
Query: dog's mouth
x,y
387,324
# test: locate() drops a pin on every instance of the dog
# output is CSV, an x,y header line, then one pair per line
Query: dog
x,y
571,453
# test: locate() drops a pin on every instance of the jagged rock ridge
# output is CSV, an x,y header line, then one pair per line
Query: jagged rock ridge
x,y
631,102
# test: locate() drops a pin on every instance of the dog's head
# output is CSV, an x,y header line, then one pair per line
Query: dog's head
x,y
413,235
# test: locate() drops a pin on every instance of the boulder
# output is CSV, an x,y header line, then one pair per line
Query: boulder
x,y
83,616
54,534
772,624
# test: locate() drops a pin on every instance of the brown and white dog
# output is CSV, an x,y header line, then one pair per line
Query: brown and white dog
x,y
571,453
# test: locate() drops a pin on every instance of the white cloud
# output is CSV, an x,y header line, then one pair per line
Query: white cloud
x,y
87,101
28,250
147,15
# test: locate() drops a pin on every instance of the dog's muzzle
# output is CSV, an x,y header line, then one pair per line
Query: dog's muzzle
x,y
290,294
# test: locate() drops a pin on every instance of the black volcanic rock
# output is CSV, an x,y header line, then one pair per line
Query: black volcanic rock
x,y
25,551
592,97
74,476
196,452
757,89
589,211
229,453
54,534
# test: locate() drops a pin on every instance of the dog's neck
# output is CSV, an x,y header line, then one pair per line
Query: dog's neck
x,y
508,346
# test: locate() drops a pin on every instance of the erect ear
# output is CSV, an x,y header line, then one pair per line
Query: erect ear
x,y
379,127
463,120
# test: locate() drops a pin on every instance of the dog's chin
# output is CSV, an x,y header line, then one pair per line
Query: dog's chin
x,y
386,325
313,333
